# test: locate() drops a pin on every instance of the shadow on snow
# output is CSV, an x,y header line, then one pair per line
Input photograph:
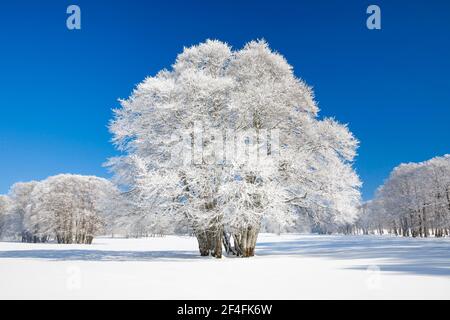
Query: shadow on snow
x,y
390,254
99,255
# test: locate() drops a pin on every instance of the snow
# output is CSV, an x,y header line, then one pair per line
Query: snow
x,y
290,266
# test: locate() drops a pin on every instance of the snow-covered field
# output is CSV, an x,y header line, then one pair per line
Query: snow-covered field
x,y
286,267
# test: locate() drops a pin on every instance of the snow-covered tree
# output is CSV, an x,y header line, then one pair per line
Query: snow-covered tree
x,y
5,213
229,140
68,208
20,195
5,204
414,200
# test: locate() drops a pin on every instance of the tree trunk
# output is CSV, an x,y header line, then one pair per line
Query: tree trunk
x,y
245,241
395,228
425,223
229,249
210,241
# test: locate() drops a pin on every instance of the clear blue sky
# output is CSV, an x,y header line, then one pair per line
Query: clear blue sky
x,y
58,86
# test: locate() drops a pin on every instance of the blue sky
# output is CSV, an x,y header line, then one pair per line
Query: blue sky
x,y
57,87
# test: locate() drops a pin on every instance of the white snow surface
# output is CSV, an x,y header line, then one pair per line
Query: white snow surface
x,y
291,266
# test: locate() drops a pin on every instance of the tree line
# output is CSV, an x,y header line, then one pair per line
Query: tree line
x,y
413,202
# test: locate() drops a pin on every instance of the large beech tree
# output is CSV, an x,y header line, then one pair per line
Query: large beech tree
x,y
256,150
